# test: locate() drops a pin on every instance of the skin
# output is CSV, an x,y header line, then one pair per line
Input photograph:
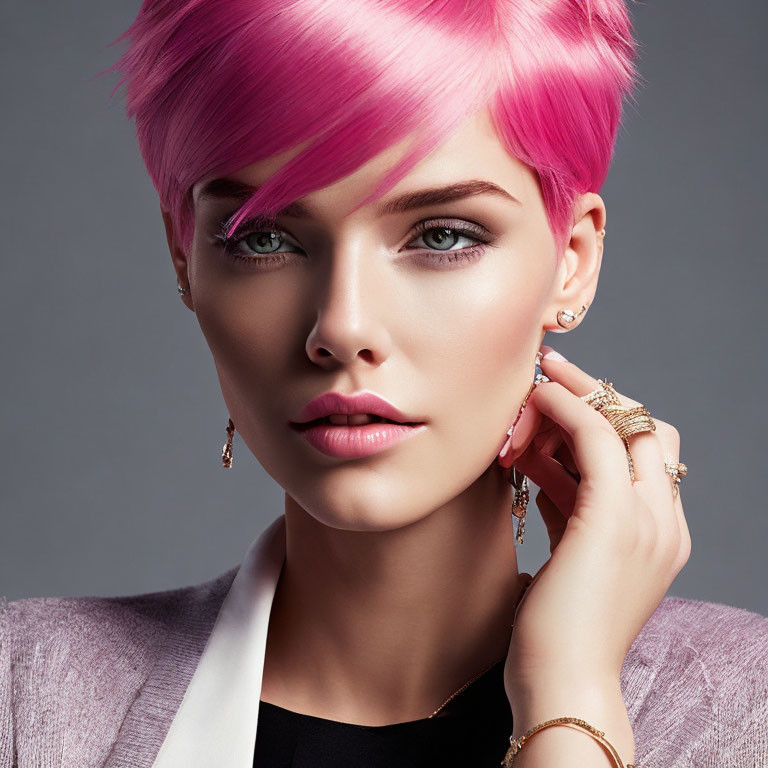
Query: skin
x,y
401,578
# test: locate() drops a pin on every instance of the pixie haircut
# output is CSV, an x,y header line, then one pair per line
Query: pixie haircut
x,y
215,85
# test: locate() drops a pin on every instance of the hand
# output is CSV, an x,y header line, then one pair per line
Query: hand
x,y
616,545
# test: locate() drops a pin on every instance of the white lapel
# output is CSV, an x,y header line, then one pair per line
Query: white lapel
x,y
216,721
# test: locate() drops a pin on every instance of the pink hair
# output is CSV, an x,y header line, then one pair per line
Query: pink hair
x,y
215,85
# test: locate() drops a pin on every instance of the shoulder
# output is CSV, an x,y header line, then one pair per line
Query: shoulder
x,y
698,671
66,662
713,629
723,639
83,623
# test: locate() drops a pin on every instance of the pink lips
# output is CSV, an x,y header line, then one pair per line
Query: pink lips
x,y
349,441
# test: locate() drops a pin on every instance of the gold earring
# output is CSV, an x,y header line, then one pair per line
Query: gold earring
x,y
517,479
226,451
566,316
520,502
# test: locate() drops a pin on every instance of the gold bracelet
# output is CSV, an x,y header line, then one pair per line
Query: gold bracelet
x,y
572,722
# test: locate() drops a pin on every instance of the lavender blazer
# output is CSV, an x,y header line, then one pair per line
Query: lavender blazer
x,y
172,679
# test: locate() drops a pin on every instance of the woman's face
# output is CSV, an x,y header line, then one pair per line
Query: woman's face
x,y
443,325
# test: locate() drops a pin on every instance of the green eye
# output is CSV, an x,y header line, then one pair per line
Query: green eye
x,y
266,246
262,242
443,238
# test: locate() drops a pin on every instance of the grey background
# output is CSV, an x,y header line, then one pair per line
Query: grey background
x,y
112,419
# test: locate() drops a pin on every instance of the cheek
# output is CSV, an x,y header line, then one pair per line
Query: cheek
x,y
479,353
250,329
244,336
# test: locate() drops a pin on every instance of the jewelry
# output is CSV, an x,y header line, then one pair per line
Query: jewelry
x,y
572,722
226,451
480,674
566,316
182,291
464,687
678,472
626,420
517,479
602,232
520,501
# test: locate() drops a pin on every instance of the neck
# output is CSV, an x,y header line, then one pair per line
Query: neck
x,y
381,627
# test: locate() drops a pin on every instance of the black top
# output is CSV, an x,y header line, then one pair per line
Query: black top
x,y
471,731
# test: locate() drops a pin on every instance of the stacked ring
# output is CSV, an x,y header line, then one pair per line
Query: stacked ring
x,y
626,420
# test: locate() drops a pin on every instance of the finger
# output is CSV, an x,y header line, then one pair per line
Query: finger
x,y
572,377
554,520
649,452
597,451
563,455
551,443
670,441
647,459
666,509
551,477
547,441
527,426
645,448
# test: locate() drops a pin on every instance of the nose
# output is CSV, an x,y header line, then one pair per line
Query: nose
x,y
349,302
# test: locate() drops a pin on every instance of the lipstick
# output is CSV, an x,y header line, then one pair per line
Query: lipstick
x,y
354,426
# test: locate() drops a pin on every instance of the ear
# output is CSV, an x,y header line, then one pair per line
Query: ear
x,y
178,257
579,268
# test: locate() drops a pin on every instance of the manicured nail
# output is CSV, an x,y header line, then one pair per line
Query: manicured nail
x,y
505,450
552,355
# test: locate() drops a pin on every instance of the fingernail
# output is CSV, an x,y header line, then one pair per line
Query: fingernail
x,y
552,355
505,449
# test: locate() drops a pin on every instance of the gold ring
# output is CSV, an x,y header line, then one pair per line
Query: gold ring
x,y
677,471
626,420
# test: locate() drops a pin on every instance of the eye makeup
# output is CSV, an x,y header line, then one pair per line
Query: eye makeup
x,y
238,249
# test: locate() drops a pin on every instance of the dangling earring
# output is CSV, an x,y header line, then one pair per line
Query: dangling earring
x,y
566,316
520,502
517,479
226,451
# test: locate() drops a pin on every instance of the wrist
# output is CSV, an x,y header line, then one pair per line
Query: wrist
x,y
597,701
559,684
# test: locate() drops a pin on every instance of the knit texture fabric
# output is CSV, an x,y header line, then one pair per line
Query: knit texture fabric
x,y
96,681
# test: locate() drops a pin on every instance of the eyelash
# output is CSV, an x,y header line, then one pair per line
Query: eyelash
x,y
228,245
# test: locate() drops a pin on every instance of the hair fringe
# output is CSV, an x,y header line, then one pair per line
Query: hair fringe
x,y
215,85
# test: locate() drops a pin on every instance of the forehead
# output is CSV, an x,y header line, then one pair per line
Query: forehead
x,y
473,152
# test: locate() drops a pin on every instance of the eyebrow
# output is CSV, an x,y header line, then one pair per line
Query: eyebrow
x,y
230,189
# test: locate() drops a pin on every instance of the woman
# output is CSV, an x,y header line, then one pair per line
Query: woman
x,y
376,212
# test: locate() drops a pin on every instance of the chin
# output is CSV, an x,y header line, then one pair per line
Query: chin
x,y
354,505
